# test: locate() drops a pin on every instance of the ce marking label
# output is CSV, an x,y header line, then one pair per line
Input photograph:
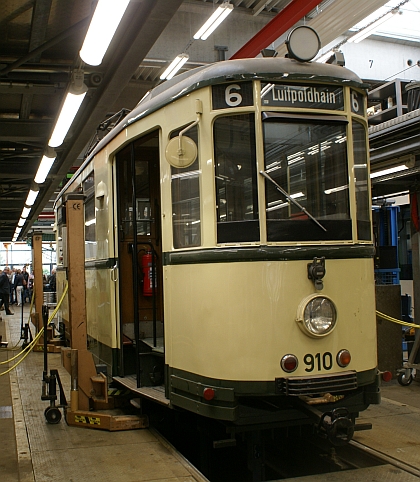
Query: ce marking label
x,y
77,206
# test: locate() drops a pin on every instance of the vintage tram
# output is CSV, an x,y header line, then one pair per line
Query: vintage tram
x,y
228,246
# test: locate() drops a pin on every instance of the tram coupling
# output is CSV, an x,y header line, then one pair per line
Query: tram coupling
x,y
337,425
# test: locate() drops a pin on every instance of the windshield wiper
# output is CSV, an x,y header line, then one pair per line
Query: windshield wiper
x,y
289,197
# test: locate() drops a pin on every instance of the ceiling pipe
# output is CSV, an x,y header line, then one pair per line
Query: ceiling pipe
x,y
280,24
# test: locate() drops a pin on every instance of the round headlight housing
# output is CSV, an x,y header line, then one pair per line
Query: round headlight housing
x,y
317,316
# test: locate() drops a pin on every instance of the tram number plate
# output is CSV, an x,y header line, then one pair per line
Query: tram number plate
x,y
318,362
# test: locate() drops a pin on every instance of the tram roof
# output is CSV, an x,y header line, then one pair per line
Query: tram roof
x,y
268,68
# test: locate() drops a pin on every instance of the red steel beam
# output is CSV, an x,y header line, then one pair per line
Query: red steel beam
x,y
284,20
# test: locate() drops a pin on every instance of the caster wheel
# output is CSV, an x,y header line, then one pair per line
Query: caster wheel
x,y
52,415
404,380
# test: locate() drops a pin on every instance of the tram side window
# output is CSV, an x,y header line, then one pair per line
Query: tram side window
x,y
90,218
236,179
308,160
185,184
361,180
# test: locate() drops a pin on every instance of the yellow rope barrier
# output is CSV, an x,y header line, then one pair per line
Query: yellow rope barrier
x,y
395,320
31,345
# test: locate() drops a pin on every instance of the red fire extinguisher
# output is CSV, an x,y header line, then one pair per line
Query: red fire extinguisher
x,y
147,274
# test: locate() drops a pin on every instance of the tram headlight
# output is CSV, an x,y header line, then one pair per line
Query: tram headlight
x,y
317,316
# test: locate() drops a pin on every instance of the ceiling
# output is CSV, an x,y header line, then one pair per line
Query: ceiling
x,y
39,45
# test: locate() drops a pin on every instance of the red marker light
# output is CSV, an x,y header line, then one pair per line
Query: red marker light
x,y
386,376
343,358
289,363
208,394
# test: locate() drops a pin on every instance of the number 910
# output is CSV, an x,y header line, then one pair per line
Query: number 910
x,y
318,361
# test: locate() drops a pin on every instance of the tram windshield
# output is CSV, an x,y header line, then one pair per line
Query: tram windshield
x,y
307,159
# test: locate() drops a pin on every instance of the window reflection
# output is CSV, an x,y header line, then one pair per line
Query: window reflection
x,y
186,218
308,159
236,186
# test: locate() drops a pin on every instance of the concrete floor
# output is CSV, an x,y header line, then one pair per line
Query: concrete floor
x,y
35,451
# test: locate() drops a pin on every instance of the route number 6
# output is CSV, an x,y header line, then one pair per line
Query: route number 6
x,y
233,98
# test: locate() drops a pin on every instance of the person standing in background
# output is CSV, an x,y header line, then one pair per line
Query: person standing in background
x,y
25,293
5,290
31,285
12,286
53,284
19,287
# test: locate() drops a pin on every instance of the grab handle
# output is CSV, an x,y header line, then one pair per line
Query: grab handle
x,y
114,272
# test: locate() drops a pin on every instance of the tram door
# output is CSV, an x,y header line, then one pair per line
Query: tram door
x,y
139,259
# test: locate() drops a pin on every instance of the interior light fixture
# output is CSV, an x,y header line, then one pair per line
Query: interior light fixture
x,y
21,222
391,170
214,21
378,200
25,212
336,189
32,195
174,66
44,166
371,28
104,23
17,232
68,112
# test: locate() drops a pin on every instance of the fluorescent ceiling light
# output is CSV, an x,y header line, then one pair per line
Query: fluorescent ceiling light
x,y
393,195
17,231
370,29
25,212
214,21
68,113
21,222
43,169
31,197
104,23
325,57
175,65
336,189
388,171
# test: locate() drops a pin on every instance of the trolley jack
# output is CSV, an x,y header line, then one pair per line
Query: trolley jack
x,y
25,333
49,382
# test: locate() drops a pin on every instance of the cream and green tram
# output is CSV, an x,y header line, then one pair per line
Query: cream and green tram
x,y
229,244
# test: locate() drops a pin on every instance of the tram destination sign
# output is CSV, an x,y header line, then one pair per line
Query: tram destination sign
x,y
308,96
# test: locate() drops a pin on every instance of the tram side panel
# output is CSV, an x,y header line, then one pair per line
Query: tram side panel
x,y
99,281
100,267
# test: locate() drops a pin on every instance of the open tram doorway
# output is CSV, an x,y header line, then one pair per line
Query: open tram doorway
x,y
140,265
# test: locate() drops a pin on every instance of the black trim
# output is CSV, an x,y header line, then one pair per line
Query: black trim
x,y
294,230
267,116
266,253
101,263
232,400
238,231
